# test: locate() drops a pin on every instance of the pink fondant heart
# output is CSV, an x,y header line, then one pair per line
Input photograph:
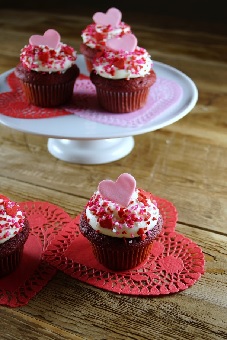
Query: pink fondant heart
x,y
50,38
111,17
120,191
126,43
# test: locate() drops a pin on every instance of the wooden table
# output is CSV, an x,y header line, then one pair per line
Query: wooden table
x,y
185,163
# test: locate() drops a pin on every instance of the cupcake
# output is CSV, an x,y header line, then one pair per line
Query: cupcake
x,y
47,70
14,231
121,222
105,26
123,75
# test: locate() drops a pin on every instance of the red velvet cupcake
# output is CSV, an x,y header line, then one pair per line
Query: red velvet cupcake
x,y
121,223
47,70
14,231
105,26
123,75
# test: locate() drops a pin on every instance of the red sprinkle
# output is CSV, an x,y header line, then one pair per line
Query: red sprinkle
x,y
106,223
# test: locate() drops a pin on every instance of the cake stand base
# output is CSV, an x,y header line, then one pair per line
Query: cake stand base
x,y
98,151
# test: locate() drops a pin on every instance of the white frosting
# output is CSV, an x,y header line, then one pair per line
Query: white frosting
x,y
95,36
11,220
45,59
123,64
140,216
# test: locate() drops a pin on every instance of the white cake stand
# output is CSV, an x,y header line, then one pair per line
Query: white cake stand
x,y
78,140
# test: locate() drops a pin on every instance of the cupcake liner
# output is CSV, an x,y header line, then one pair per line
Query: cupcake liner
x,y
11,251
121,259
122,102
48,95
10,262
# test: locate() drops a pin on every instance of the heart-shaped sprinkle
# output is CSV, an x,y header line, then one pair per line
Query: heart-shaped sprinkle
x,y
126,43
111,17
50,38
120,191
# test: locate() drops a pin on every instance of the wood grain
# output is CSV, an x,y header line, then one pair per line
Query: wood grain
x,y
185,163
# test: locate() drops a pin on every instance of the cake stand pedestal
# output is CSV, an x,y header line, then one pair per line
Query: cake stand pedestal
x,y
90,151
78,140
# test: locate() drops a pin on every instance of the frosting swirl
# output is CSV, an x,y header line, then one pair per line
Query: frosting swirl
x,y
42,58
123,64
112,219
96,35
11,219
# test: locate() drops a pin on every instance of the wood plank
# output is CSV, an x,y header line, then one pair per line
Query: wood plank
x,y
13,327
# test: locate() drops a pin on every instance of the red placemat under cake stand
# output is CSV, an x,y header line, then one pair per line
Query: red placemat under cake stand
x,y
175,262
34,272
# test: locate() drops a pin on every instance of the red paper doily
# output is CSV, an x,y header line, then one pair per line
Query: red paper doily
x,y
14,104
175,262
34,272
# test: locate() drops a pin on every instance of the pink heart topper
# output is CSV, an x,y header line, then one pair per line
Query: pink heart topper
x,y
120,191
111,17
50,38
126,43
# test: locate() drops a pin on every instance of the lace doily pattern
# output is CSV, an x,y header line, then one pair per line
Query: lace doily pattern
x,y
164,94
55,242
175,262
33,272
14,104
